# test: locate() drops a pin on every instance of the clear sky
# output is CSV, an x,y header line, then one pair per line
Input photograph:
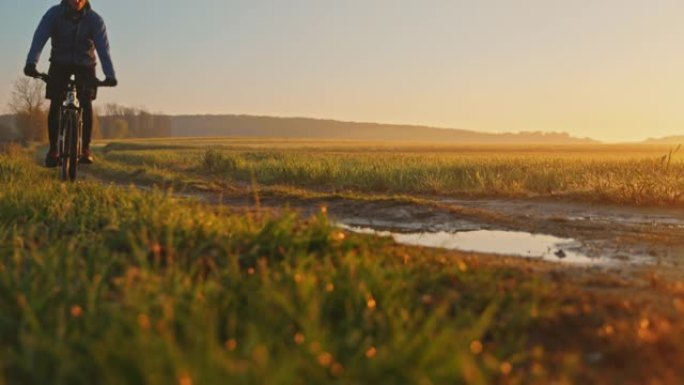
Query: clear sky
x,y
607,69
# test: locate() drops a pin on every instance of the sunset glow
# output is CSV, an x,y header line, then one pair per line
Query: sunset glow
x,y
610,70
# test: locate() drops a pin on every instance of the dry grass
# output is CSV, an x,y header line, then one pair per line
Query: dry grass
x,y
635,175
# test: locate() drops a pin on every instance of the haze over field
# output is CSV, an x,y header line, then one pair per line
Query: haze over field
x,y
221,126
609,70
264,126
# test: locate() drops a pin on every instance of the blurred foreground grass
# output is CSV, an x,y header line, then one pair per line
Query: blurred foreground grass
x,y
108,285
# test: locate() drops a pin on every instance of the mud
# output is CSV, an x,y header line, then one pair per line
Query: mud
x,y
590,234
597,213
595,235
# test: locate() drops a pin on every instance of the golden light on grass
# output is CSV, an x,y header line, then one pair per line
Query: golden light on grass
x,y
156,248
231,344
144,321
76,311
647,335
462,266
476,347
186,301
679,305
406,258
325,359
339,236
607,330
537,369
184,379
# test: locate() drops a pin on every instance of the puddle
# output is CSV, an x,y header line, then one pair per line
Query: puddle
x,y
426,226
515,243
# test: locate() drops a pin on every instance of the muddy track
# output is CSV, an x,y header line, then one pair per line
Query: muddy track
x,y
623,236
616,234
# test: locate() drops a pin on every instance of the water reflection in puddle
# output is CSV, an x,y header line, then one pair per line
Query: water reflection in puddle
x,y
515,243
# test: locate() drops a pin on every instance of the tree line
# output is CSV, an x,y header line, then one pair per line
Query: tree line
x,y
29,109
116,122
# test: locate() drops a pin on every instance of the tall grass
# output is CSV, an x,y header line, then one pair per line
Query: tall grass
x,y
644,179
100,284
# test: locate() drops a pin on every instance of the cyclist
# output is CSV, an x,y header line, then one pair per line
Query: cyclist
x,y
76,32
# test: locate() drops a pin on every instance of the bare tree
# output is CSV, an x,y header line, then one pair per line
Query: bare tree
x,y
29,108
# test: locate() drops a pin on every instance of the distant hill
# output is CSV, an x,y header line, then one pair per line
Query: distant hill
x,y
262,126
674,140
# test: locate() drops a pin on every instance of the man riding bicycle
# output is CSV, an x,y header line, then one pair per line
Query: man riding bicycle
x,y
76,32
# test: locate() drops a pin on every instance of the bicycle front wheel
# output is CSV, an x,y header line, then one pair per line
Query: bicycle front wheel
x,y
65,141
70,150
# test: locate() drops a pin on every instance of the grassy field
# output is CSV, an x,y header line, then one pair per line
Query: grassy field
x,y
101,284
633,175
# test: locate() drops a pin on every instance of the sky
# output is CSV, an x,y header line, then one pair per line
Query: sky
x,y
607,69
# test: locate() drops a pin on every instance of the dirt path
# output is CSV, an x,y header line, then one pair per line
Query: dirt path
x,y
616,236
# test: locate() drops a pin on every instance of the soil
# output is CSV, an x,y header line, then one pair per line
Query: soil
x,y
635,236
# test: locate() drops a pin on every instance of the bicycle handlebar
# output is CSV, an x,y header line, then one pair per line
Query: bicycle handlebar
x,y
46,77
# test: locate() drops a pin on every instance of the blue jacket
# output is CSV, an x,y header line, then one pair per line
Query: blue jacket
x,y
75,37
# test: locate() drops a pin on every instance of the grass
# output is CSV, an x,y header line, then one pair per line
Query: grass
x,y
107,285
625,175
102,284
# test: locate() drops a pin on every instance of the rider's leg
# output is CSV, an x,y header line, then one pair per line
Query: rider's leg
x,y
87,92
53,91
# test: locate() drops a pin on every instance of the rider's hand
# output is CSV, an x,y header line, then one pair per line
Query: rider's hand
x,y
110,82
30,70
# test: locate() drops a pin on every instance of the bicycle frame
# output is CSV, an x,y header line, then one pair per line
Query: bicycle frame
x,y
70,132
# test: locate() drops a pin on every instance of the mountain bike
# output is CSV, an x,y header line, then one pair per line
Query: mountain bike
x,y
70,132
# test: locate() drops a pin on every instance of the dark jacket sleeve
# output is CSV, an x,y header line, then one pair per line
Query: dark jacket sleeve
x,y
42,34
102,47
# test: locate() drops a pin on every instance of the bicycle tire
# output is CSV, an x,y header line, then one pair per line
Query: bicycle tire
x,y
65,130
73,145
